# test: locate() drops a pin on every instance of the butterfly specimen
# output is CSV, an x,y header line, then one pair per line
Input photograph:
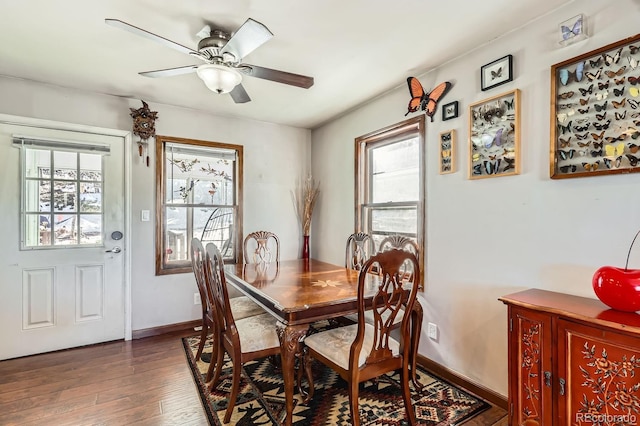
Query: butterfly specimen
x,y
574,30
614,150
562,116
585,91
566,128
567,76
616,163
582,137
477,169
597,145
633,49
591,167
427,102
567,169
602,126
602,95
633,80
582,128
633,104
600,107
592,76
584,101
566,95
633,62
633,148
498,138
564,142
620,71
632,160
596,136
621,116
596,63
491,167
508,104
566,154
618,92
510,164
584,110
634,91
583,144
620,104
596,153
620,81
565,106
497,73
601,116
603,85
610,60
446,153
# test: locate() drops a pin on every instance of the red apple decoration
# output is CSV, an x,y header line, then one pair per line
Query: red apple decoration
x,y
618,288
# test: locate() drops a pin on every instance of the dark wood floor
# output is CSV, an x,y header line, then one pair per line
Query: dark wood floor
x,y
143,382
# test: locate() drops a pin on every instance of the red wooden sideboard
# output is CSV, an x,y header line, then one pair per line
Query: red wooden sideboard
x,y
572,361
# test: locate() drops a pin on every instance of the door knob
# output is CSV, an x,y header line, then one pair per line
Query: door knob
x,y
116,249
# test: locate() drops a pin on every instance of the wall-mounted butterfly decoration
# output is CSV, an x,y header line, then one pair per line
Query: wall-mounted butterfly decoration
x,y
572,30
496,73
425,101
494,148
447,152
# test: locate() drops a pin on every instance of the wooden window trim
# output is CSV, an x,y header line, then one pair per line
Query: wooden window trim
x,y
387,135
161,269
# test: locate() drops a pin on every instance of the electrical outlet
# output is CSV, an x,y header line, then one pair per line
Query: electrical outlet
x,y
432,331
196,299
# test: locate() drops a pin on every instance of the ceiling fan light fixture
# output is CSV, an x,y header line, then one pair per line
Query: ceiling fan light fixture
x,y
219,78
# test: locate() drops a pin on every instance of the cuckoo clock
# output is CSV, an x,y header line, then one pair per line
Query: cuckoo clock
x,y
144,127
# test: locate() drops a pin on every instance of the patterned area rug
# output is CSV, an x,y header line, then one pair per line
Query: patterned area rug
x,y
261,397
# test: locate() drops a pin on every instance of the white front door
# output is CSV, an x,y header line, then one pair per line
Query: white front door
x,y
61,258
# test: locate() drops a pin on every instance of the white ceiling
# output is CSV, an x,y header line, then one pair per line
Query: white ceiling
x,y
355,49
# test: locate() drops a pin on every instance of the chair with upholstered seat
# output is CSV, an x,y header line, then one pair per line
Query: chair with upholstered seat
x,y
261,246
359,249
364,351
242,339
242,306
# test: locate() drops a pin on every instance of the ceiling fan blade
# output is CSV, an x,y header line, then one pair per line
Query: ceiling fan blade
x,y
170,72
251,35
239,95
277,76
151,36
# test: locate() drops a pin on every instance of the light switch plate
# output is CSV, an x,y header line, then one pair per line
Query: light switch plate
x,y
144,215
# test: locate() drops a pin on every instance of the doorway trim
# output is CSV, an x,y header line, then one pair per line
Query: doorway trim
x,y
126,136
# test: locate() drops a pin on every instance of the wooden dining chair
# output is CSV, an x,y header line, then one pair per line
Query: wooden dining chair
x,y
241,306
407,244
364,351
400,242
242,339
261,246
359,249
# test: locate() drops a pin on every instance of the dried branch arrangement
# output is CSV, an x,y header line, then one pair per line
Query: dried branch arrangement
x,y
305,197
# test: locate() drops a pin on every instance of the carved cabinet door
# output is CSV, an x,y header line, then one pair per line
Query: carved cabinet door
x,y
601,374
530,363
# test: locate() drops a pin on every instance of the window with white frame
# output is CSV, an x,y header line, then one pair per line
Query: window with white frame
x,y
390,182
62,185
198,193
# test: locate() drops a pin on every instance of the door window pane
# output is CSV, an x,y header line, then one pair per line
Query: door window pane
x,y
60,198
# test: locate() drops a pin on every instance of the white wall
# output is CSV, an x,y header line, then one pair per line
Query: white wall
x,y
275,157
490,237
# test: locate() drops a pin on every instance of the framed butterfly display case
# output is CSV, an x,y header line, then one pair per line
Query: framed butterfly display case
x,y
496,73
447,152
494,129
595,112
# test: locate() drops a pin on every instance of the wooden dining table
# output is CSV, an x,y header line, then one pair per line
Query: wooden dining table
x,y
300,292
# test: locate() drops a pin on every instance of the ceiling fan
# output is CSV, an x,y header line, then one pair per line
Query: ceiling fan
x,y
222,55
